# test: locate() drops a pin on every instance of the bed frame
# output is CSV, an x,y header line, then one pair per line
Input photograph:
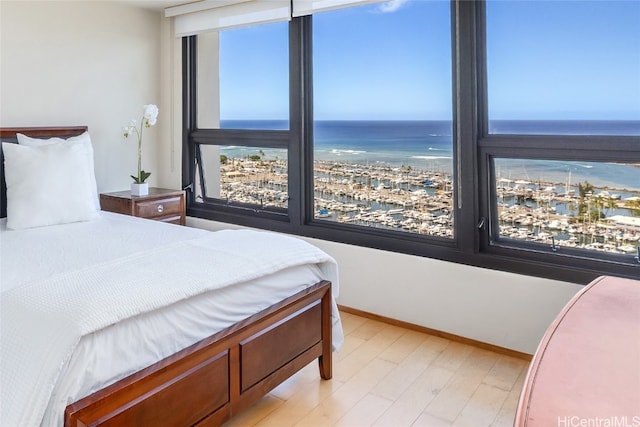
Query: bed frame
x,y
213,380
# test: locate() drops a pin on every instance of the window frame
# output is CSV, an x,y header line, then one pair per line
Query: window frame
x,y
474,242
194,137
591,148
241,137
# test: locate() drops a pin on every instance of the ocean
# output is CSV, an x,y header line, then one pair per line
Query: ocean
x,y
427,145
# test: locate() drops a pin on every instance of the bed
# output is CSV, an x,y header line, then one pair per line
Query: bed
x,y
116,320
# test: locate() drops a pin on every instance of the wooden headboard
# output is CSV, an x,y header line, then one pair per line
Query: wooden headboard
x,y
9,135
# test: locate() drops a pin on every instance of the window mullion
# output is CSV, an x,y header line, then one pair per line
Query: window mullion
x,y
465,136
585,146
189,114
298,119
254,138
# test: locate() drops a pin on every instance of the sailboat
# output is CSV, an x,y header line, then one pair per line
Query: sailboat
x,y
568,192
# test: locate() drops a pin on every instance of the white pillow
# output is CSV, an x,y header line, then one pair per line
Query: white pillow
x,y
48,185
37,142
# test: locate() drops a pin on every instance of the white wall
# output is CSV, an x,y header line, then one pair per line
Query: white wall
x,y
97,63
504,309
85,63
169,147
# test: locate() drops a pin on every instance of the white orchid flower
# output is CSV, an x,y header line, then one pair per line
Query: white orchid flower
x,y
149,118
150,114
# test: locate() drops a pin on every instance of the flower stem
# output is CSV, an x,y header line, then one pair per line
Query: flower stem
x,y
140,151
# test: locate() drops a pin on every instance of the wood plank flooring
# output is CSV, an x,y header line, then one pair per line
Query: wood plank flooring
x,y
388,376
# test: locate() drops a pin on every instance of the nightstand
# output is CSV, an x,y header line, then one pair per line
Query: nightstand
x,y
160,204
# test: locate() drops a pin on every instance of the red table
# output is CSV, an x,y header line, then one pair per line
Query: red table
x,y
586,370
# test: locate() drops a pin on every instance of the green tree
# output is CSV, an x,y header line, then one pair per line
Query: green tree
x,y
585,191
610,203
597,205
634,207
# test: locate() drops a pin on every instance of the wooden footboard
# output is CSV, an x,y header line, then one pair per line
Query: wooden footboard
x,y
216,378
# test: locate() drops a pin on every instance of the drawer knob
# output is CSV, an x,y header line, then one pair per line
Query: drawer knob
x,y
160,208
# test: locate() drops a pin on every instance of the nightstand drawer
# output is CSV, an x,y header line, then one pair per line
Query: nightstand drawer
x,y
160,204
154,209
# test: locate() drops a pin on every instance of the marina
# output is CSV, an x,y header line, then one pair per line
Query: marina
x,y
415,200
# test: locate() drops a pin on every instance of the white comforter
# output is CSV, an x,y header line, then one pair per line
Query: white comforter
x,y
43,320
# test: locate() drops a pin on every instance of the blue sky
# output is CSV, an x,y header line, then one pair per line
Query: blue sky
x,y
546,60
567,59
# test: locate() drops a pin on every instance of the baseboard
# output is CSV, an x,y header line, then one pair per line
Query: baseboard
x,y
446,335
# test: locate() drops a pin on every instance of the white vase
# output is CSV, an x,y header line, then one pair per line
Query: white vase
x,y
139,189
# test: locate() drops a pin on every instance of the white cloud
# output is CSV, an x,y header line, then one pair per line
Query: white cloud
x,y
392,6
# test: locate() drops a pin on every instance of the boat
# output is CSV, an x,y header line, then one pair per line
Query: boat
x,y
627,249
323,213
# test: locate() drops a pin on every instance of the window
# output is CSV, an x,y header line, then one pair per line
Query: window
x,y
563,125
499,134
383,149
242,156
569,204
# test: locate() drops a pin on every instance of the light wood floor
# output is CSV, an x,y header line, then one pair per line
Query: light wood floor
x,y
390,376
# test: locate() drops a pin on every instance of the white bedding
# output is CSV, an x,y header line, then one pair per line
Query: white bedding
x,y
60,254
